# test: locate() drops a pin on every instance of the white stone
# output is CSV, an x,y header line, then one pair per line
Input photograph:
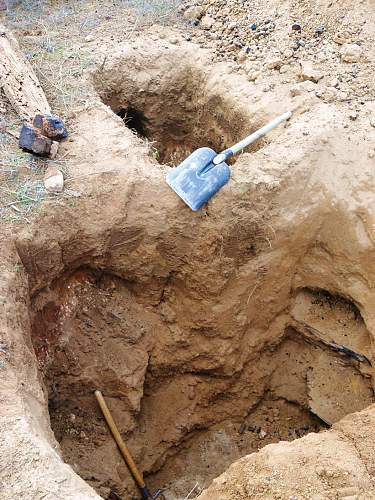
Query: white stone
x,y
274,63
207,22
253,75
288,53
53,180
301,88
54,149
241,56
351,52
335,83
195,12
308,72
329,94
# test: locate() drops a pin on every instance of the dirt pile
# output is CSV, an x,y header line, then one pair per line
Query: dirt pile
x,y
270,42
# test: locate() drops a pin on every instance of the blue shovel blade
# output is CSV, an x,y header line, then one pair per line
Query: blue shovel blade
x,y
197,179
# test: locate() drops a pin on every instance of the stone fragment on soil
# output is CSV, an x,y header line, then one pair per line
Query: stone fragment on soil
x,y
242,56
53,180
284,68
301,88
351,52
193,13
339,40
274,63
309,72
207,22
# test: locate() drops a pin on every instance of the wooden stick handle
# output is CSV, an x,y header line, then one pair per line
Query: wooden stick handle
x,y
119,441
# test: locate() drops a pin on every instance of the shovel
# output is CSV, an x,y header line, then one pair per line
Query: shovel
x,y
204,172
145,493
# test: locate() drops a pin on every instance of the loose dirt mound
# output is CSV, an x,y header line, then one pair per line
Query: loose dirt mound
x,y
211,334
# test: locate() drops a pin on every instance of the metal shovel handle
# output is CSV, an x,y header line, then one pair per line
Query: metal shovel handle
x,y
224,155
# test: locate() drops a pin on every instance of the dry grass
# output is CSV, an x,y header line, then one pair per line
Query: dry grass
x,y
148,12
54,38
50,37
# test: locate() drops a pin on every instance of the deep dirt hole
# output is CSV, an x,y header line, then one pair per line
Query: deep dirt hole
x,y
172,140
186,426
178,114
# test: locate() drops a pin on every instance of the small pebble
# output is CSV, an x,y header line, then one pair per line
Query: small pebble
x,y
350,52
310,72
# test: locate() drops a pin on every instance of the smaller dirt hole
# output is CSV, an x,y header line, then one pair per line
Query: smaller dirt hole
x,y
135,120
177,115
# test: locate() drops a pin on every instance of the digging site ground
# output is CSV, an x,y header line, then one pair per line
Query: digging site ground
x,y
234,345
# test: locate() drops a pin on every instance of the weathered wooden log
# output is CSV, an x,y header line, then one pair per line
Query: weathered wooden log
x,y
18,80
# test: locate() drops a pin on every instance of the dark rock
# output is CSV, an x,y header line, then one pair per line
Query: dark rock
x,y
320,30
296,27
51,126
33,141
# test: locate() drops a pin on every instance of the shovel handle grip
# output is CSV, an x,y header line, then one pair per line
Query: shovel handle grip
x,y
251,138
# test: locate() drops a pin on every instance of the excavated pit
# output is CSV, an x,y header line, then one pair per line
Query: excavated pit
x,y
185,425
191,388
177,110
